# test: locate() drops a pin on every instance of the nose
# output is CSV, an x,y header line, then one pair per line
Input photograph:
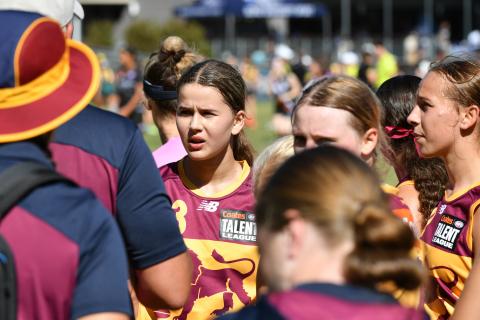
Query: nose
x,y
413,118
195,123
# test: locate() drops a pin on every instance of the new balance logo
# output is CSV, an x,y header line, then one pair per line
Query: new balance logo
x,y
210,206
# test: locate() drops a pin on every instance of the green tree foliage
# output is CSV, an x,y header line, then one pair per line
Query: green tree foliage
x,y
99,33
146,36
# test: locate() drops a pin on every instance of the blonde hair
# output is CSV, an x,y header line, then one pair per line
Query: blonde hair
x,y
341,196
269,160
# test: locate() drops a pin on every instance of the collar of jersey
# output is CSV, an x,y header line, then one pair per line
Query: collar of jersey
x,y
229,189
460,192
405,183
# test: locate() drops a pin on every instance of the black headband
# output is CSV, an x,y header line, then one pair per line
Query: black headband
x,y
158,92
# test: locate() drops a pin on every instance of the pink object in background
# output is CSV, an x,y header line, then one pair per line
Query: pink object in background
x,y
172,151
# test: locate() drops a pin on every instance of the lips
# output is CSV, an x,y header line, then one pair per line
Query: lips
x,y
195,143
418,136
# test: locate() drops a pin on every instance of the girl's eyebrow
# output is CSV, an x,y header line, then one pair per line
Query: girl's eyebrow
x,y
423,99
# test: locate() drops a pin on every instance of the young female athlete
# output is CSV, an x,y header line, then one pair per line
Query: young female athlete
x,y
162,72
211,191
421,181
326,247
446,123
343,111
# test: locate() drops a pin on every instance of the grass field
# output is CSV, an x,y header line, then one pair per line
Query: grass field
x,y
261,136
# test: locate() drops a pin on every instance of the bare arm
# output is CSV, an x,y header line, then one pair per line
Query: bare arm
x,y
127,109
468,304
166,284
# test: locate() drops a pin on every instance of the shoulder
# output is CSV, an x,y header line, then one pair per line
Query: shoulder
x,y
71,210
99,132
169,172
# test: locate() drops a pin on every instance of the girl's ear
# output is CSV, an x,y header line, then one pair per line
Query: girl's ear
x,y
238,122
146,104
470,118
369,142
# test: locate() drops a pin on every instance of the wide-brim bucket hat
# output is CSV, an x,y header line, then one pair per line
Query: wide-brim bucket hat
x,y
45,79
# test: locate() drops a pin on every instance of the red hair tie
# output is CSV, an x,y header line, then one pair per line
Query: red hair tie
x,y
400,133
397,132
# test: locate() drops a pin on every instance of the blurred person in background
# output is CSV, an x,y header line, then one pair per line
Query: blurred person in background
x,y
284,88
162,72
128,84
366,70
386,66
105,97
317,68
251,75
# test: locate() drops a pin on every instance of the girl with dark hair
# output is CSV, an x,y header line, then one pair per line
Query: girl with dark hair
x,y
162,72
446,123
421,181
326,247
211,190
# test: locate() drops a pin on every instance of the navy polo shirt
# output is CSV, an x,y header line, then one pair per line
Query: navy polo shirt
x,y
106,153
68,252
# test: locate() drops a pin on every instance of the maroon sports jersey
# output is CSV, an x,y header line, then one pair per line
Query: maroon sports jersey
x,y
220,232
448,243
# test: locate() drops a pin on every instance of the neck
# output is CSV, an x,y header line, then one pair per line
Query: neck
x,y
167,129
213,175
332,260
463,163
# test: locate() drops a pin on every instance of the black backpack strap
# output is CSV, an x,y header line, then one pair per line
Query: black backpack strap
x,y
20,179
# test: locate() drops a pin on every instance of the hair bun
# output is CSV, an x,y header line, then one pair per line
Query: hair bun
x,y
378,228
382,252
179,55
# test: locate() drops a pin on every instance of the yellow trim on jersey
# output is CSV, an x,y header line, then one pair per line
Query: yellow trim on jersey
x,y
461,192
229,189
406,183
472,210
387,188
434,211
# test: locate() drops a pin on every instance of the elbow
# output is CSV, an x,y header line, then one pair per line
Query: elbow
x,y
167,287
175,299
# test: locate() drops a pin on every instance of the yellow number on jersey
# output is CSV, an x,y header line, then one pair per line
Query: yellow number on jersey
x,y
180,214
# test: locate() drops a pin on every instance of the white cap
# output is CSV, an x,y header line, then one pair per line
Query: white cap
x,y
60,10
283,51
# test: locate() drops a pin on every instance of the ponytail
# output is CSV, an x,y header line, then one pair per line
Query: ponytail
x,y
382,251
242,149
